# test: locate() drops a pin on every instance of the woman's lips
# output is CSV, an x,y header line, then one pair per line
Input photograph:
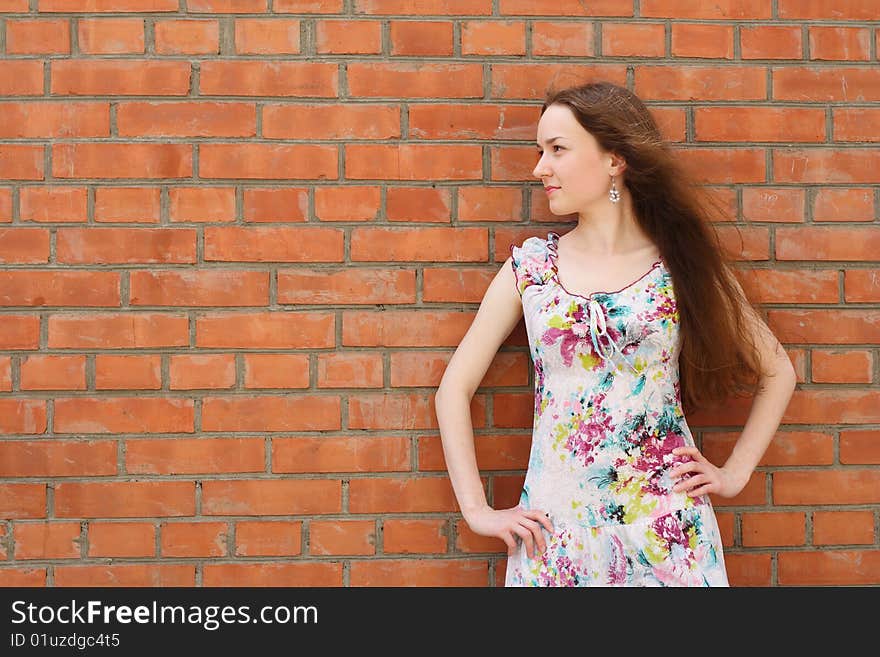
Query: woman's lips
x,y
550,190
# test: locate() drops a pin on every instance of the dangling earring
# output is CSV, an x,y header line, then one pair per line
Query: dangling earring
x,y
614,194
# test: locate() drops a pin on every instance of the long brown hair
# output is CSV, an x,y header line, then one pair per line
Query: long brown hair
x,y
718,358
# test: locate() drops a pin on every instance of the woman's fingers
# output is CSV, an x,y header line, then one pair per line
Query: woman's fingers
x,y
679,470
535,529
690,482
527,538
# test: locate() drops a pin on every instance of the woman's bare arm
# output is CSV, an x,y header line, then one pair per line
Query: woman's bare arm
x,y
499,313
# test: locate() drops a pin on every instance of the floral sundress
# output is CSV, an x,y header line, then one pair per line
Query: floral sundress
x,y
607,416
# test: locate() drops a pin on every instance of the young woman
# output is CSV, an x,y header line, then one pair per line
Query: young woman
x,y
634,318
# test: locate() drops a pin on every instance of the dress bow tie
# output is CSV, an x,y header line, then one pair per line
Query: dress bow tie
x,y
598,329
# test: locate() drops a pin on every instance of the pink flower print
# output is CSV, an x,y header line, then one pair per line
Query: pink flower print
x,y
617,568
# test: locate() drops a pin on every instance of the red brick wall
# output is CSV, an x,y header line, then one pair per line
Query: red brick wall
x,y
240,240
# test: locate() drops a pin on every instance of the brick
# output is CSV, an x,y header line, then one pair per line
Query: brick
x,y
127,499
46,540
227,6
22,501
23,245
413,162
115,6
421,38
423,7
22,287
531,81
341,37
701,40
201,371
128,575
425,368
828,9
401,495
633,40
850,486
343,537
120,77
259,36
417,204
195,456
562,39
421,244
693,82
118,330
21,162
39,36
856,123
445,121
176,119
851,84
731,165
268,205
21,78
202,204
241,497
126,245
268,244
469,542
360,370
361,203
122,539
57,458
792,286
488,38
489,204
405,536
361,121
720,9
825,326
827,243
268,78
748,124
280,161
193,539
843,205
134,160
860,447
269,574
504,452
276,371
266,413
840,43
829,568
349,286
843,527
773,529
35,119
862,285
53,204
268,538
123,415
187,37
421,80
337,454
464,285
110,36
842,366
22,415
748,569
265,330
398,411
23,576
786,448
124,372
199,288
771,42
308,6
127,204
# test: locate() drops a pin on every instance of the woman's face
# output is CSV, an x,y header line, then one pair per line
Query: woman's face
x,y
574,163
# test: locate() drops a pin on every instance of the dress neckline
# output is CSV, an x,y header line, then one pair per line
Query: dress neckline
x,y
552,241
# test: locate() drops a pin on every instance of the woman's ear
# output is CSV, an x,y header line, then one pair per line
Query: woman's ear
x,y
618,165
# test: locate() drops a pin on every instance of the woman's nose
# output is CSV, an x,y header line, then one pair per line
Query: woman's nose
x,y
540,169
